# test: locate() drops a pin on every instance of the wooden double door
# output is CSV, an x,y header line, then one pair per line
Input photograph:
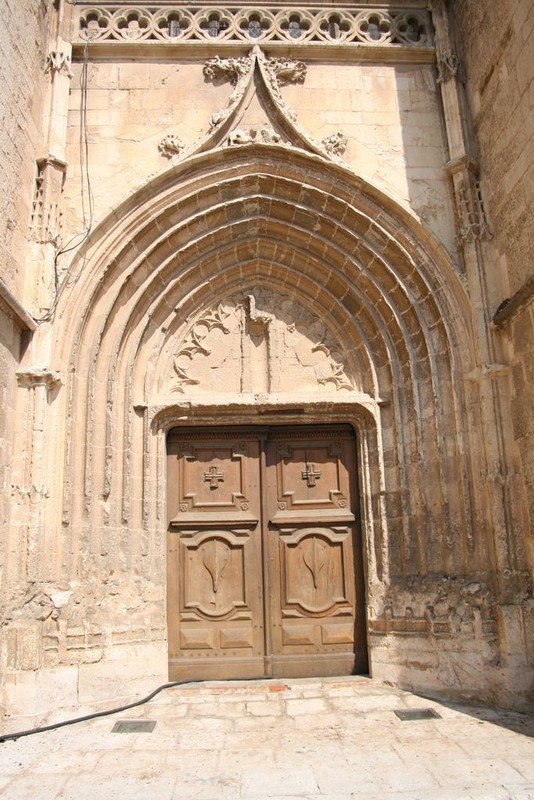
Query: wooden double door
x,y
264,561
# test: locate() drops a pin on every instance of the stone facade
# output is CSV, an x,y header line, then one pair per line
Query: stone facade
x,y
234,215
497,69
22,56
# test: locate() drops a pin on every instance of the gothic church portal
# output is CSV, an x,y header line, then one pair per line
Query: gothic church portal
x,y
261,421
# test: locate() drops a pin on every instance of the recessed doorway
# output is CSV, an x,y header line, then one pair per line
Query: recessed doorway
x,y
264,554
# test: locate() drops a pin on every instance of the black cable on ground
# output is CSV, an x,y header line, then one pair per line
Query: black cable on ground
x,y
13,736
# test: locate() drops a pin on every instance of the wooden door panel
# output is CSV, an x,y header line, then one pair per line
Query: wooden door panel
x,y
311,481
215,480
313,571
312,508
213,570
215,602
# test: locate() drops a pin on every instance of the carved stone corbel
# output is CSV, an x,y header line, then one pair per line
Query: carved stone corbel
x,y
58,61
447,64
38,376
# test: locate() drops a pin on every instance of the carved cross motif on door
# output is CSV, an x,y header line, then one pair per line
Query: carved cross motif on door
x,y
214,477
311,475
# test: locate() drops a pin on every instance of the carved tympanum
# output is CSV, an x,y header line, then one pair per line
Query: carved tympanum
x,y
259,342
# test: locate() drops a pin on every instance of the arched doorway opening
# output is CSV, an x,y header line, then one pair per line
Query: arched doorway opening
x,y
255,284
265,555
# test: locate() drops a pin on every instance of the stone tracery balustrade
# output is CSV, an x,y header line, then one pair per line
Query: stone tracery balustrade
x,y
335,26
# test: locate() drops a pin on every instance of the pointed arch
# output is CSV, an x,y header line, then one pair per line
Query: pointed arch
x,y
268,216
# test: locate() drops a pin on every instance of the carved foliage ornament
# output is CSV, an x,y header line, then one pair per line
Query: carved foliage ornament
x,y
171,146
266,135
230,69
286,71
275,72
335,144
279,72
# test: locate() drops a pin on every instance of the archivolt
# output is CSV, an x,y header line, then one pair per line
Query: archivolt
x,y
249,216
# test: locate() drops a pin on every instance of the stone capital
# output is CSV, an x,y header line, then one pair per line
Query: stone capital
x,y
38,376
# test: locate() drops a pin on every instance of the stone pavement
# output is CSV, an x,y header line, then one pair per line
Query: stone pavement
x,y
313,739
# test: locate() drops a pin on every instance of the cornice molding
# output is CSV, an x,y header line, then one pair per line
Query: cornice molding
x,y
202,27
21,317
515,305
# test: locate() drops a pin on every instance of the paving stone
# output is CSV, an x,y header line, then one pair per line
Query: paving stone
x,y
522,793
265,709
118,787
318,722
203,789
250,723
40,787
78,761
246,759
304,706
331,755
278,783
524,765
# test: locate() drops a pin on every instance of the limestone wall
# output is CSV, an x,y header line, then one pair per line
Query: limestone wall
x,y
499,75
22,55
22,59
499,80
388,113
9,353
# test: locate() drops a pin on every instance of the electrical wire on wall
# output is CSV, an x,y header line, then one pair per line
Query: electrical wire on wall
x,y
87,198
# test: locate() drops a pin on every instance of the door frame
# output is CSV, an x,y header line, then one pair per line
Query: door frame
x,y
361,415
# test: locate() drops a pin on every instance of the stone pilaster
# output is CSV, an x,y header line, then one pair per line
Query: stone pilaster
x,y
31,475
51,168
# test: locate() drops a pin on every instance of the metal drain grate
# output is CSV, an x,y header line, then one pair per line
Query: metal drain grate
x,y
409,714
134,726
